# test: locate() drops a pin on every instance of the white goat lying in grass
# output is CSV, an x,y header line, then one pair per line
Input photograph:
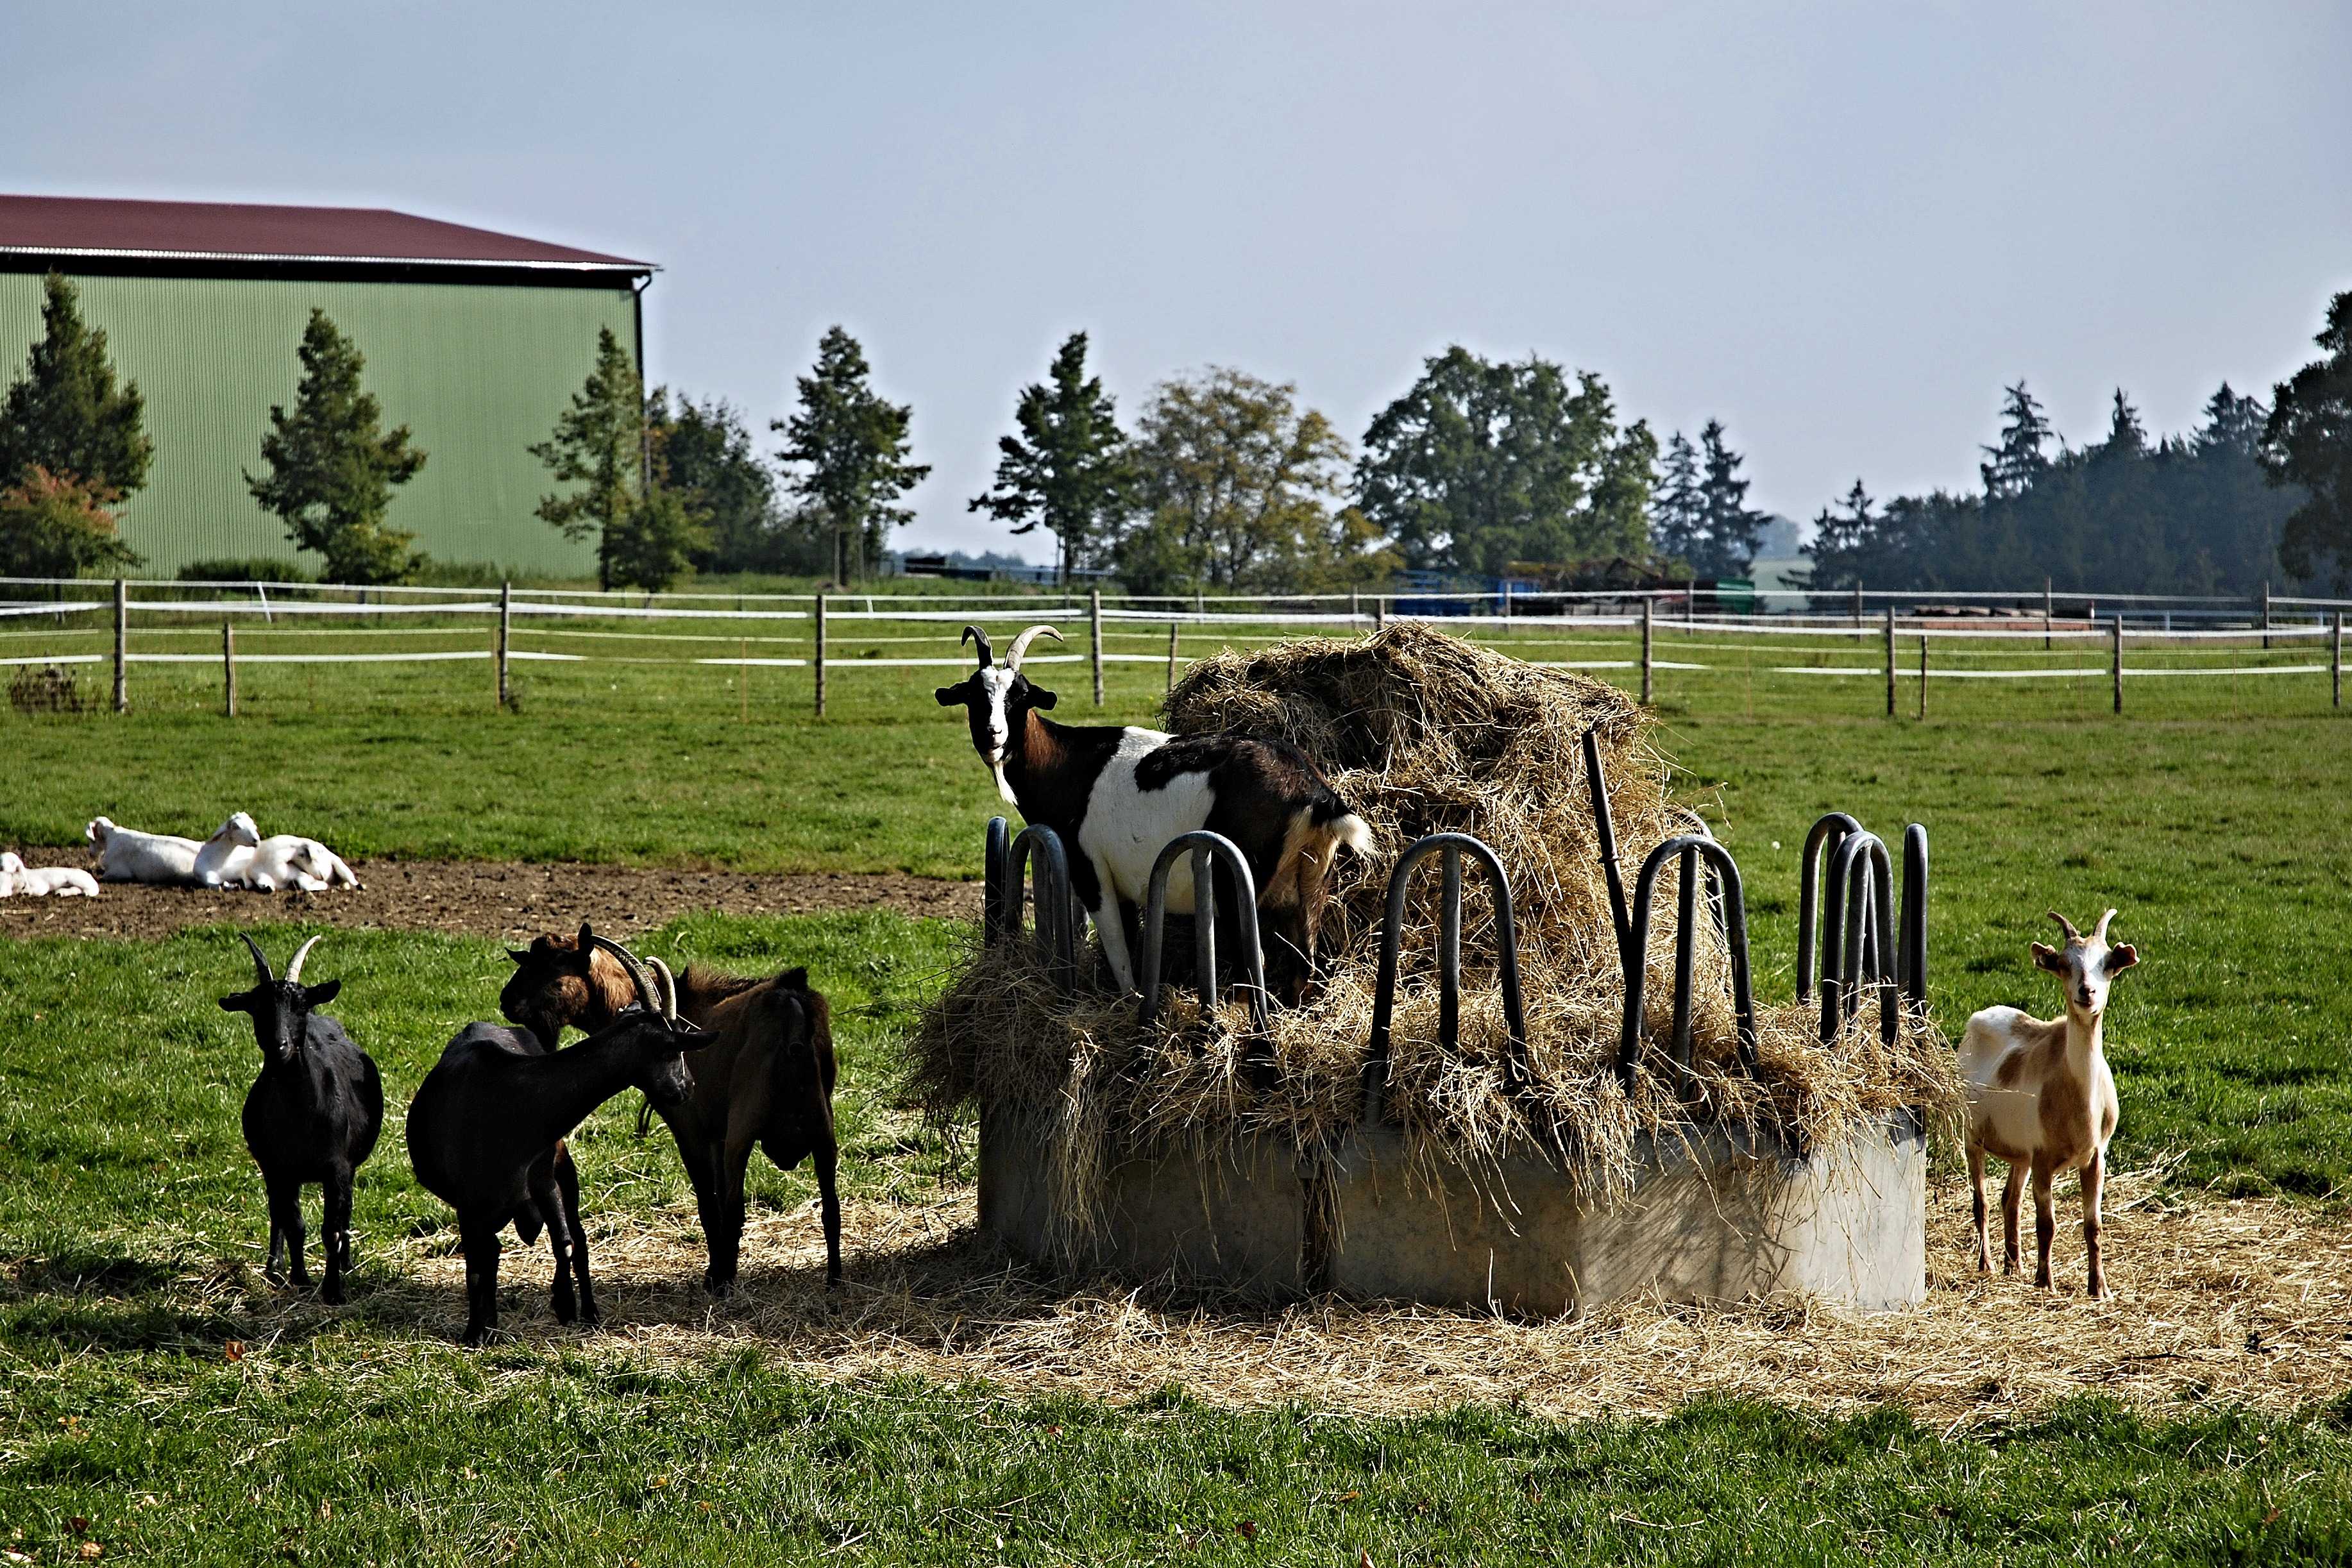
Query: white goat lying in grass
x,y
38,882
125,854
238,856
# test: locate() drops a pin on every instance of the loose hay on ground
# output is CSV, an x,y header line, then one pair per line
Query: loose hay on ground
x,y
2249,1302
1420,733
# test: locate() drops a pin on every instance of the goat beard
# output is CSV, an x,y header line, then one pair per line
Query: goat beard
x,y
1004,786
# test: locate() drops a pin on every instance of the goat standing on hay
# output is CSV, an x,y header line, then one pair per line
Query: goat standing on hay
x,y
765,1076
311,1116
1115,794
487,1128
2041,1096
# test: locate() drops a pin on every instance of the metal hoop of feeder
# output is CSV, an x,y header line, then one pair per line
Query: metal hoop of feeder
x,y
991,897
1604,830
1451,848
1208,851
1056,909
1830,833
1858,937
1689,850
1912,960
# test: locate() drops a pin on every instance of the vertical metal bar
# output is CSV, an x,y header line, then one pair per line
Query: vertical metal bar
x,y
1380,612
1604,830
1923,676
1686,953
505,644
1449,947
1856,938
2116,659
991,894
819,660
1890,661
2045,614
229,667
122,646
1172,655
1649,617
1914,974
1205,921
1506,598
1094,611
1830,832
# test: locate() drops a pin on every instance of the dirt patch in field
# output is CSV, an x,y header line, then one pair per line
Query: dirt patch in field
x,y
2248,1301
489,899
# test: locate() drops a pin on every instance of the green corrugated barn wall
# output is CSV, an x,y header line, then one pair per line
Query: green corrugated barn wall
x,y
477,371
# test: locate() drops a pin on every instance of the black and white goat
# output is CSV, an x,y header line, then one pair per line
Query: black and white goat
x,y
311,1116
487,1128
1115,794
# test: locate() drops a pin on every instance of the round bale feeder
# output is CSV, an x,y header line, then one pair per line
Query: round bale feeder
x,y
1597,1115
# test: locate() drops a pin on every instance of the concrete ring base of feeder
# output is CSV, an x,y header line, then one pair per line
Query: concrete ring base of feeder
x,y
1718,1218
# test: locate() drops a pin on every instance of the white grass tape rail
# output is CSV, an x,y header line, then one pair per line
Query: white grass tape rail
x,y
2131,673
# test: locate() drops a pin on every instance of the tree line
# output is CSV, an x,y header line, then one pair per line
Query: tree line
x,y
1226,480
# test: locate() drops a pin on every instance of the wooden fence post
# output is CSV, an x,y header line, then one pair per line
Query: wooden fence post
x,y
818,662
1649,630
2045,614
1857,604
2266,613
1172,655
1094,612
1380,612
1890,661
229,667
1923,675
505,644
122,646
1355,604
2116,659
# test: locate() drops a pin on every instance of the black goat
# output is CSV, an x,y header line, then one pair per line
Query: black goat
x,y
311,1116
487,1128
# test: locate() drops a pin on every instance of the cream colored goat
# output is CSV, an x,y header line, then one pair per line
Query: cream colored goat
x,y
2041,1097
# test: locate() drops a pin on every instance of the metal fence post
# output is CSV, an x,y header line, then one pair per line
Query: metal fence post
x,y
819,660
1380,612
2116,658
2266,613
1172,655
1857,604
1922,674
1649,619
229,667
1890,661
2045,614
122,646
1094,610
2335,665
506,643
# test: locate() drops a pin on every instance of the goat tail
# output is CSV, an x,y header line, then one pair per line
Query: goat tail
x,y
1353,831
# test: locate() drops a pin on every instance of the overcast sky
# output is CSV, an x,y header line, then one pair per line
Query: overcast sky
x,y
1838,229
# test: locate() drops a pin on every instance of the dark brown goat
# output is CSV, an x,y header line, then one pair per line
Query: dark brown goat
x,y
766,1077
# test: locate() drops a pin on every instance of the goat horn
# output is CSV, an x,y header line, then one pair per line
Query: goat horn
x,y
2101,934
1021,645
2071,935
648,996
974,635
669,984
261,974
294,970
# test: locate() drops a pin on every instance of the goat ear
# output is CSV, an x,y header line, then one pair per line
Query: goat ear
x,y
949,696
319,996
522,958
2121,957
2047,958
240,1003
1040,697
795,980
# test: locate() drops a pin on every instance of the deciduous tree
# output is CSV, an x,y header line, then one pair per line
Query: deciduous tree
x,y
332,468
58,526
2308,442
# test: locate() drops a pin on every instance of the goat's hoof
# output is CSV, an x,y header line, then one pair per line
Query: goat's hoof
x,y
718,1285
833,1279
566,1310
472,1337
591,1318
333,1294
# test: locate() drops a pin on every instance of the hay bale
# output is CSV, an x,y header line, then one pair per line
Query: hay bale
x,y
1423,732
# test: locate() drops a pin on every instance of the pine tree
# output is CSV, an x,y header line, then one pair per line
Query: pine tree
x,y
599,443
332,468
1066,470
2232,423
2126,437
1839,545
2018,460
851,446
1678,514
67,416
1730,529
704,453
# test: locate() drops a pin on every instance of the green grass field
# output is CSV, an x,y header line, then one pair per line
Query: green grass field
x,y
131,1228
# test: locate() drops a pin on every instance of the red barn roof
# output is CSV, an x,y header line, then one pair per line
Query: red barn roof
x,y
101,227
